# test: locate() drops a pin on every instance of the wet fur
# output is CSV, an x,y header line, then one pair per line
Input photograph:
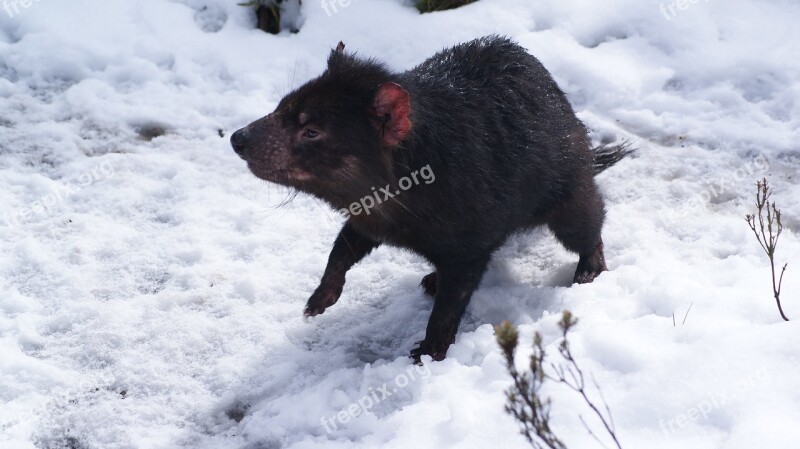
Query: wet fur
x,y
506,148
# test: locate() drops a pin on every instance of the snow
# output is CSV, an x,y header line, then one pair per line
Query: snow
x,y
151,289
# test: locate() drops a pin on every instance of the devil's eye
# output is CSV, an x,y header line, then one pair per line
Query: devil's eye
x,y
310,133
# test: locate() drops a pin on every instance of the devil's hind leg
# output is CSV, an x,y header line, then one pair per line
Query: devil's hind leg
x,y
577,223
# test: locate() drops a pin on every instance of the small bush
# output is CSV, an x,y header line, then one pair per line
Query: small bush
x,y
524,400
767,229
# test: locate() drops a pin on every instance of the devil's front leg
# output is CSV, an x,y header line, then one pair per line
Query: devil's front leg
x,y
456,282
349,248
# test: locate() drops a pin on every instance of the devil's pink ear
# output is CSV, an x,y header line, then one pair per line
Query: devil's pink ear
x,y
392,106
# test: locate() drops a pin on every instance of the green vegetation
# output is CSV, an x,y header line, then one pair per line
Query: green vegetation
x,y
268,13
440,5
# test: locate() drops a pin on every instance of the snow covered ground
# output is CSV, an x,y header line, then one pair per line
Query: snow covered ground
x,y
151,291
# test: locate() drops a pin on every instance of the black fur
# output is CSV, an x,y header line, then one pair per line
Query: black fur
x,y
506,148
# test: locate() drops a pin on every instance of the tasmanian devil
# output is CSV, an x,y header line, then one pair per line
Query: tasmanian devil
x,y
485,118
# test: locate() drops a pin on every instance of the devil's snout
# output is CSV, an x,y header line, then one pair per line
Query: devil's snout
x,y
239,141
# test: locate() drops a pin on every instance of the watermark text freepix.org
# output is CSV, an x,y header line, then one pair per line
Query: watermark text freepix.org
x,y
718,399
45,205
375,397
382,194
672,8
755,168
15,7
331,7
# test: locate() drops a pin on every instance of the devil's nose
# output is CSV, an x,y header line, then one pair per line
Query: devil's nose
x,y
239,141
